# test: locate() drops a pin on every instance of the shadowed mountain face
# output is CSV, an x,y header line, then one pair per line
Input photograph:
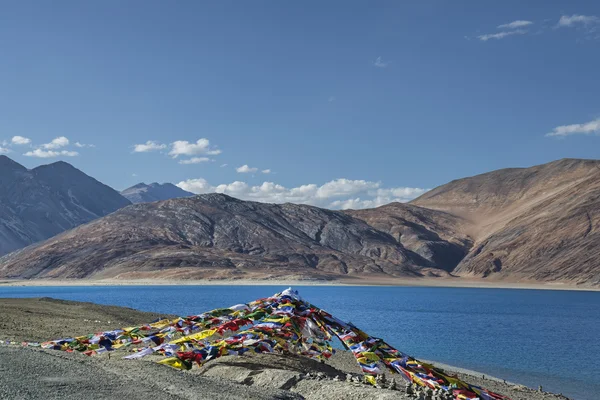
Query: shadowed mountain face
x,y
40,203
436,236
142,193
537,224
217,235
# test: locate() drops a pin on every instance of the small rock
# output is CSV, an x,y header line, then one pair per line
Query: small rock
x,y
393,385
428,394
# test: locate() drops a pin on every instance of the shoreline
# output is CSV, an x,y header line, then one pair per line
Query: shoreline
x,y
441,283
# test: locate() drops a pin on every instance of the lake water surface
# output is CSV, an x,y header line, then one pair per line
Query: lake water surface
x,y
532,337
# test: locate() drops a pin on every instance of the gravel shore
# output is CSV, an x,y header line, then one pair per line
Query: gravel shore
x,y
33,373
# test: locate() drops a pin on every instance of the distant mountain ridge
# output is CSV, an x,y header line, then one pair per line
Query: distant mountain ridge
x,y
537,224
39,203
143,193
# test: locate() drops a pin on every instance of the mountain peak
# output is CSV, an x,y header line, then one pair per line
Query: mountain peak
x,y
57,165
220,197
9,163
143,193
47,200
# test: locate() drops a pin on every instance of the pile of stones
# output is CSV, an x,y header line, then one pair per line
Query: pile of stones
x,y
413,391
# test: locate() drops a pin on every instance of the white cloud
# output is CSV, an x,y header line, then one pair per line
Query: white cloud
x,y
150,145
50,153
244,169
588,128
81,145
500,35
56,143
20,140
577,20
339,193
194,160
515,24
379,63
185,148
4,150
266,171
344,187
224,165
197,186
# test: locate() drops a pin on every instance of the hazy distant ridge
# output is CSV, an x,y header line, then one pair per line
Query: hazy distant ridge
x,y
143,193
40,203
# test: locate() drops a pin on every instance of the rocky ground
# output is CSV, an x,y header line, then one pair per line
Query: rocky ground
x,y
33,373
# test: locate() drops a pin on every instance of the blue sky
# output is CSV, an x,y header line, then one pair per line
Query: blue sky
x,y
344,104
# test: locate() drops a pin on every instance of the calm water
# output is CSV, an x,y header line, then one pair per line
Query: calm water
x,y
533,337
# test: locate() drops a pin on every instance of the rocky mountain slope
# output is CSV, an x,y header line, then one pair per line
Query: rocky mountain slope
x,y
216,235
536,224
143,193
435,236
40,203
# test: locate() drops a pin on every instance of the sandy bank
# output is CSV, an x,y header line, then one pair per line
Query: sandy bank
x,y
422,282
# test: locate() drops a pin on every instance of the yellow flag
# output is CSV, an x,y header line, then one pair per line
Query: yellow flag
x,y
370,379
173,362
369,356
195,336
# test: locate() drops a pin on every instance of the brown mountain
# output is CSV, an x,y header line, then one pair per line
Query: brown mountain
x,y
537,224
217,235
436,236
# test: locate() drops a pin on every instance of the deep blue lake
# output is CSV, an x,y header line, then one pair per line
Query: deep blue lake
x,y
532,337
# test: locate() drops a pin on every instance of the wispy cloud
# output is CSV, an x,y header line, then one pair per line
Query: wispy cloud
x,y
56,143
515,24
266,171
338,193
588,128
4,150
224,165
82,145
585,23
379,63
501,35
244,169
20,140
40,153
150,145
185,148
577,20
194,160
